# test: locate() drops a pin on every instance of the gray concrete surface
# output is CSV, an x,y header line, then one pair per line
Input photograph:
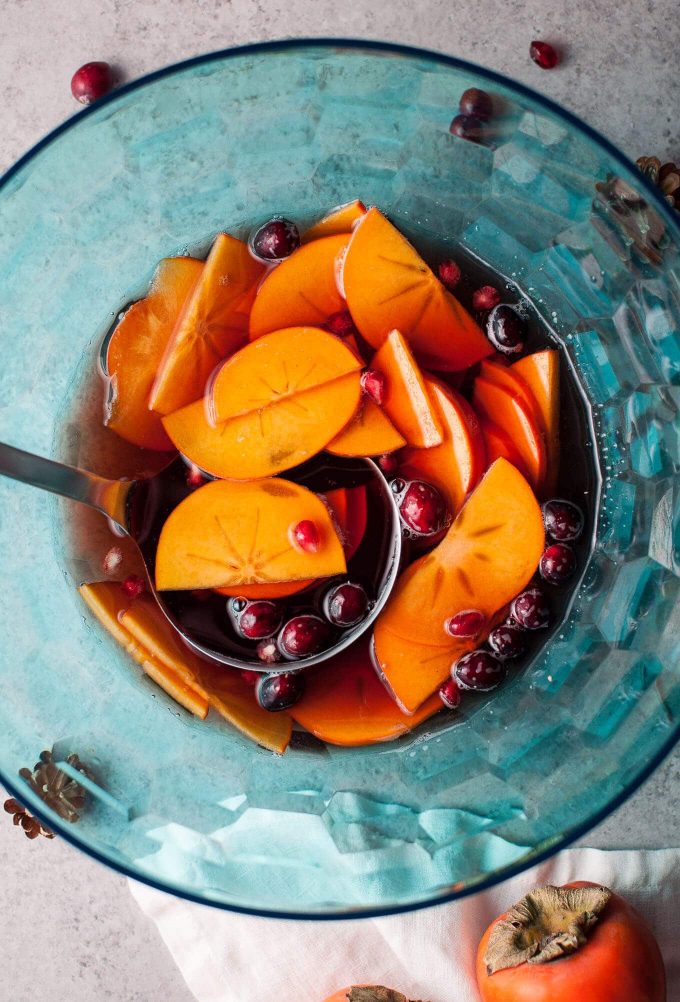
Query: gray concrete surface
x,y
68,927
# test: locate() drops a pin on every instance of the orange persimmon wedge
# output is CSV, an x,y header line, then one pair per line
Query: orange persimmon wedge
x,y
231,533
340,220
176,687
457,464
369,433
213,323
498,404
136,349
499,446
302,290
346,704
412,672
387,284
541,373
407,402
512,381
107,601
235,701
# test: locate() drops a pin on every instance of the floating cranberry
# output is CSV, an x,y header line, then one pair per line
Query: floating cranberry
x,y
249,676
268,652
303,636
450,694
306,535
530,609
558,563
486,298
449,273
476,102
113,558
478,670
563,520
275,240
91,82
258,620
506,329
544,55
194,477
373,385
345,604
467,127
422,509
134,586
238,604
278,692
397,486
340,324
507,641
466,624
388,463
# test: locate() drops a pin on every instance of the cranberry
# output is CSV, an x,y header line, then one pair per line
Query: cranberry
x,y
91,82
340,324
467,127
397,485
194,476
478,670
530,609
544,55
450,694
345,604
562,520
238,604
422,509
388,463
113,558
477,103
306,535
134,586
268,652
278,692
558,563
275,240
506,329
449,273
466,624
303,636
507,642
258,619
250,676
486,298
373,385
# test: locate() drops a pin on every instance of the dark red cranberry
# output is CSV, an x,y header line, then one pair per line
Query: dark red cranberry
x,y
249,676
275,240
388,463
531,609
449,273
467,127
303,636
486,298
345,604
476,102
258,620
422,509
306,535
134,586
194,476
507,642
238,604
544,55
397,485
466,624
505,329
91,82
478,670
563,520
340,324
373,385
268,652
450,694
278,692
558,563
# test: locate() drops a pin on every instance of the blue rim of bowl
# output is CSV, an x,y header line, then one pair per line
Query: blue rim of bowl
x,y
549,847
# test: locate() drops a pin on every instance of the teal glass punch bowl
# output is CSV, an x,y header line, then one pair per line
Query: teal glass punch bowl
x,y
468,798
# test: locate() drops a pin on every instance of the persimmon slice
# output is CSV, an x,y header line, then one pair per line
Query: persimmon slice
x,y
541,373
276,367
234,700
176,687
512,381
345,703
388,286
136,349
107,601
407,402
500,405
300,291
412,671
369,433
500,446
228,533
213,323
340,220
146,623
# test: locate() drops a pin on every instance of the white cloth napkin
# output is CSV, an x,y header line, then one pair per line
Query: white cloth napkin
x,y
426,955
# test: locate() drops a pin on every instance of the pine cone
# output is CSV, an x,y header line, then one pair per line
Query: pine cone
x,y
64,795
30,825
666,177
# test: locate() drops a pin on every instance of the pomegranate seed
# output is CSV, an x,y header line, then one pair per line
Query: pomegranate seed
x,y
530,609
467,127
476,103
91,82
306,535
466,624
113,558
563,520
449,273
134,586
486,298
278,692
275,240
340,324
345,604
249,676
258,620
303,636
544,55
194,476
478,670
388,463
558,563
373,385
422,509
450,694
268,652
507,642
506,330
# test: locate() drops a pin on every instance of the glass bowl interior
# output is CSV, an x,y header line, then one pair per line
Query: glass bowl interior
x,y
295,128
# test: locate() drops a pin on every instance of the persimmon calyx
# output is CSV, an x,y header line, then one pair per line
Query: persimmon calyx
x,y
375,993
548,923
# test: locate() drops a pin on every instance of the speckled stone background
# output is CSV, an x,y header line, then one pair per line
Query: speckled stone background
x,y
68,927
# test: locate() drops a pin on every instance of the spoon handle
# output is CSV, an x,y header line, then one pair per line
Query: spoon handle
x,y
107,496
